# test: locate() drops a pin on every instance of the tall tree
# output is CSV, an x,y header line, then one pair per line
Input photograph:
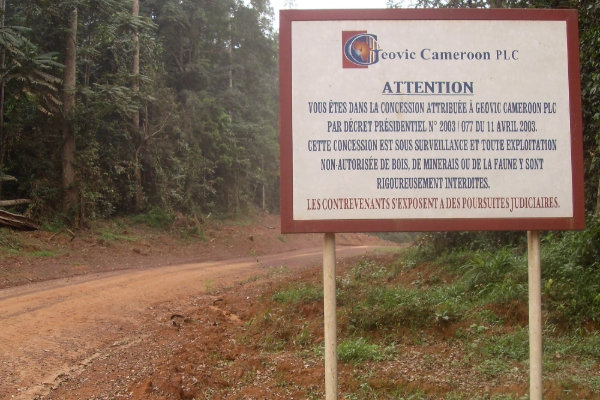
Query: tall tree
x,y
185,114
68,104
136,114
2,85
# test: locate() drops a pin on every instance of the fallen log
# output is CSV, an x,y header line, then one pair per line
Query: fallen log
x,y
17,221
16,202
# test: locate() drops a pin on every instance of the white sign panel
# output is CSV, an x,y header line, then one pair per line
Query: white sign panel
x,y
430,119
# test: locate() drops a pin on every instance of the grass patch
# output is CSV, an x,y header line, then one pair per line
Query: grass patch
x,y
461,396
305,292
574,344
373,303
243,221
196,232
512,346
359,350
209,285
42,254
109,236
10,241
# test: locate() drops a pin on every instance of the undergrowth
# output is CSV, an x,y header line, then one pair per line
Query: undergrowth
x,y
9,241
160,218
473,296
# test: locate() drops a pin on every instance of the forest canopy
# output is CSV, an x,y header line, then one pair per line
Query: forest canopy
x,y
114,107
117,107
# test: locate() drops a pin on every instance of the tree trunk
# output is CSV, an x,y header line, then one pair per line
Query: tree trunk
x,y
136,64
81,215
3,65
235,193
136,115
598,200
262,173
230,51
138,184
68,103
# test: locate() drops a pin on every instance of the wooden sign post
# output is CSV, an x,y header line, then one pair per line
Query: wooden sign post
x,y
430,120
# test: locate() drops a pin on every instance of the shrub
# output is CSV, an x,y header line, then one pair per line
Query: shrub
x,y
161,218
571,273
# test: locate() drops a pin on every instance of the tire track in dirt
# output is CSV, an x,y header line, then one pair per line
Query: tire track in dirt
x,y
54,328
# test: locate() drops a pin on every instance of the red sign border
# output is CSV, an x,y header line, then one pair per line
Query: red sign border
x,y
289,225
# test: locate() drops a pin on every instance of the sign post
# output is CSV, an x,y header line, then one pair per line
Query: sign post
x,y
331,383
430,120
535,315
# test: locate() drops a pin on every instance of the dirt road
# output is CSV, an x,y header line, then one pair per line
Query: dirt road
x,y
55,328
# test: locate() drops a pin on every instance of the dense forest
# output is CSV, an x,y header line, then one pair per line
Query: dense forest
x,y
114,107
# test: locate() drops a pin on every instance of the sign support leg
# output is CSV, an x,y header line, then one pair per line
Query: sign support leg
x,y
331,376
535,315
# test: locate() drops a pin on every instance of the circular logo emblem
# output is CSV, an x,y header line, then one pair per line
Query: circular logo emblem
x,y
362,49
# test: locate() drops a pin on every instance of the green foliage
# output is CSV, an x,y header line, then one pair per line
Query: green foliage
x,y
589,39
108,236
389,307
194,231
42,254
358,350
462,396
570,271
580,344
304,338
571,274
306,293
473,241
493,368
375,304
488,268
383,302
499,276
207,140
9,241
512,346
160,218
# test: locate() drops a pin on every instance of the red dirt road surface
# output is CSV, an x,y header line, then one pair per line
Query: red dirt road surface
x,y
53,330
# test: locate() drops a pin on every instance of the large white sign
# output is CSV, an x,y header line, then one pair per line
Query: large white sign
x,y
430,119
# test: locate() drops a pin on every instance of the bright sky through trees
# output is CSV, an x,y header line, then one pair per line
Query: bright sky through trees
x,y
323,4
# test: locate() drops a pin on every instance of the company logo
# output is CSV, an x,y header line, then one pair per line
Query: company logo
x,y
359,49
